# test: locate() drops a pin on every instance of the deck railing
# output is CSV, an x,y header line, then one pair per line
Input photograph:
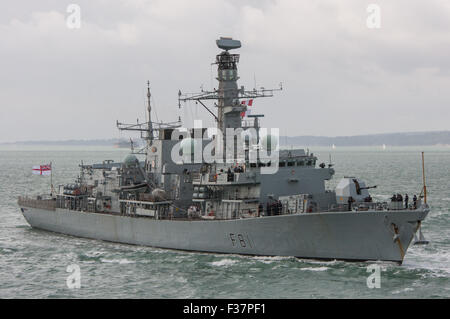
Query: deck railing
x,y
37,203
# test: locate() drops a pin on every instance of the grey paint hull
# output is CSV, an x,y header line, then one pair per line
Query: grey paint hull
x,y
338,235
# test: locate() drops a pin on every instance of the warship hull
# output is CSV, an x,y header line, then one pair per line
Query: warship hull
x,y
356,236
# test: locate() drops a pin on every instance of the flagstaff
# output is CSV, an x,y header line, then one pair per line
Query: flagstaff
x,y
51,179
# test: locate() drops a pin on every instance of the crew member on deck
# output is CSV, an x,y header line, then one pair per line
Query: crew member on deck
x,y
260,209
350,201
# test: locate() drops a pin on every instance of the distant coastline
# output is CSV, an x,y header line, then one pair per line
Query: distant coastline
x,y
441,138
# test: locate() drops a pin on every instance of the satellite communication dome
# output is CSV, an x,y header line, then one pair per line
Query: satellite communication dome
x,y
130,160
228,43
269,142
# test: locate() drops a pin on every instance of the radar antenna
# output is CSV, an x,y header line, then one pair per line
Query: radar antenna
x,y
149,111
228,95
148,130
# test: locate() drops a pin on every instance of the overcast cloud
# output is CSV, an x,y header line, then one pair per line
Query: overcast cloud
x,y
339,77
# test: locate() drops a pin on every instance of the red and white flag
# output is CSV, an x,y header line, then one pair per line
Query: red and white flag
x,y
42,169
248,103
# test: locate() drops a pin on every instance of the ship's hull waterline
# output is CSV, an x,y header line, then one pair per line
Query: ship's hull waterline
x,y
335,235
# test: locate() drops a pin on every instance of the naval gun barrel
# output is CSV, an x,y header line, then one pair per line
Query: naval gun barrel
x,y
369,187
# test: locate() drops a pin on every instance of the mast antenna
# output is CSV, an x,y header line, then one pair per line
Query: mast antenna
x,y
149,110
147,128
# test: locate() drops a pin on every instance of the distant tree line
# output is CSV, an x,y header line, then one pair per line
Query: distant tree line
x,y
392,139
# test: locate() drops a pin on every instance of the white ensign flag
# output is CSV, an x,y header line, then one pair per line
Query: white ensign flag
x,y
42,169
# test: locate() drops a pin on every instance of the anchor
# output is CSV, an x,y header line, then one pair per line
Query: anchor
x,y
421,240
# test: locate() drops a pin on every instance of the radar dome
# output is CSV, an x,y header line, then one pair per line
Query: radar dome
x,y
130,160
269,142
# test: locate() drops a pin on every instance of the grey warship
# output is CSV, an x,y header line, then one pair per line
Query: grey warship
x,y
230,189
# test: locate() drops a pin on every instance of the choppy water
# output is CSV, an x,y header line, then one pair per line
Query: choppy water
x,y
33,263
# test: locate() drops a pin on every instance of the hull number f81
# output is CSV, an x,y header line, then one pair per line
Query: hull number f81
x,y
240,240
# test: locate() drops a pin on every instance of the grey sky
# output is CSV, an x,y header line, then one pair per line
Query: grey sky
x,y
339,77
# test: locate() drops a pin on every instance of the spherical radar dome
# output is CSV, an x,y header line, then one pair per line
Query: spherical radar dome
x,y
130,160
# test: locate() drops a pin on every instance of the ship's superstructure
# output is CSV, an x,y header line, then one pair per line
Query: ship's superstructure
x,y
228,189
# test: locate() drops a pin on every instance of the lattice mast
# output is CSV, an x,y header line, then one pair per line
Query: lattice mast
x,y
148,129
228,95
149,114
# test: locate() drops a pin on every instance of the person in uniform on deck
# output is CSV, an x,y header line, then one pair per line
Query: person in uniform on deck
x,y
230,175
415,201
279,207
350,201
406,200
